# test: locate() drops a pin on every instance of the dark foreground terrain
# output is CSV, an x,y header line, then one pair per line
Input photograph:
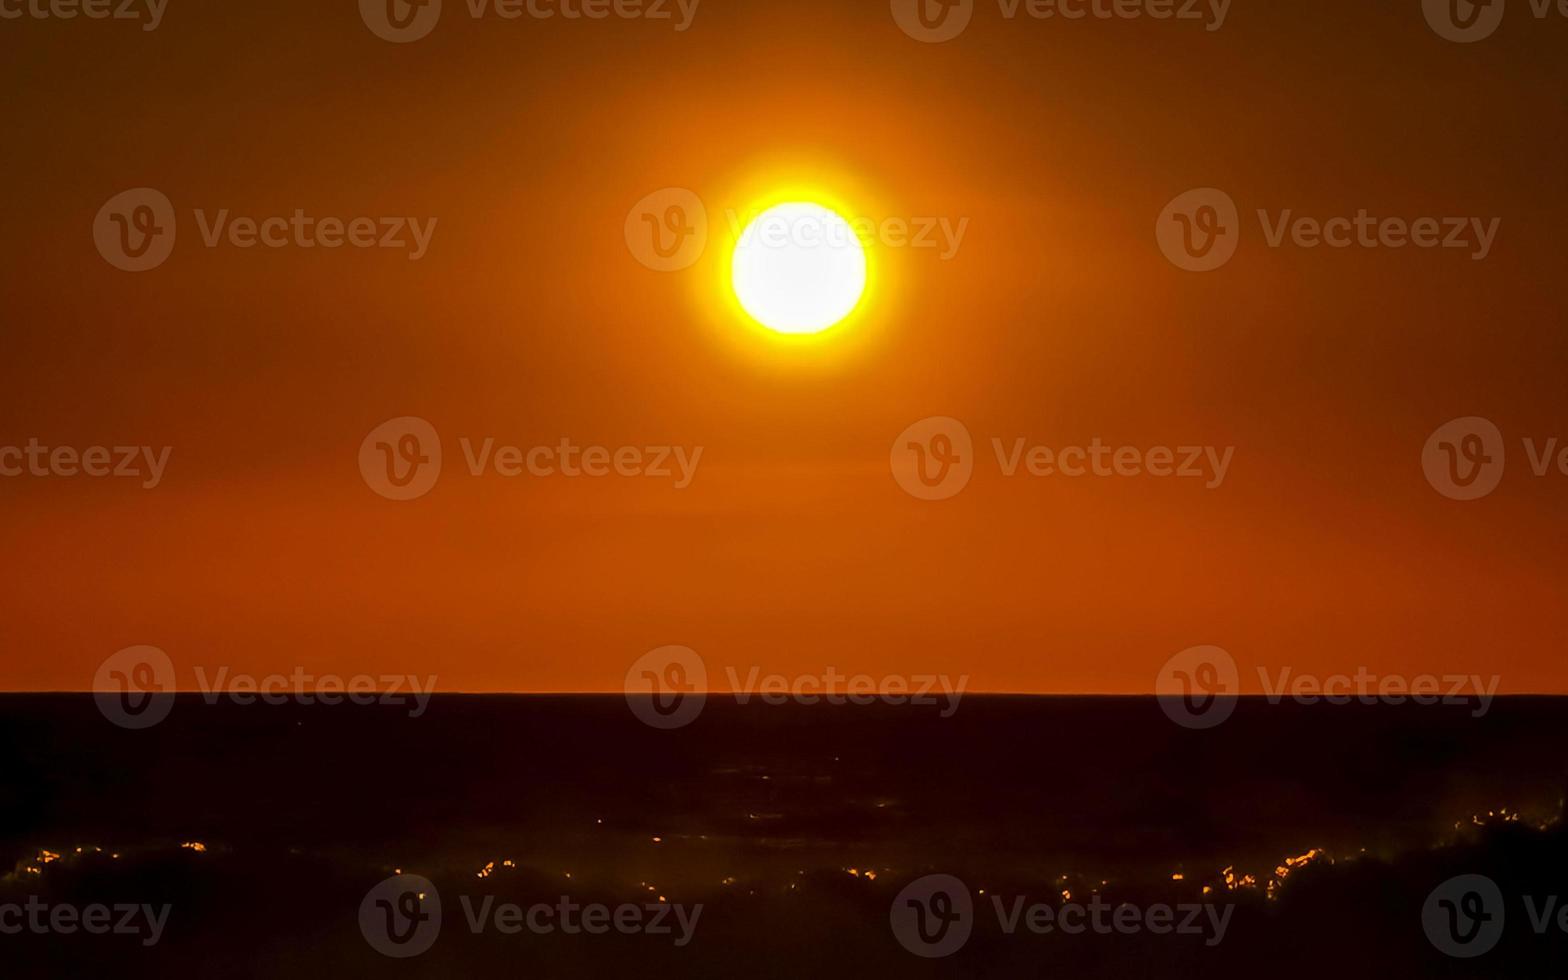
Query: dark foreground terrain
x,y
1086,837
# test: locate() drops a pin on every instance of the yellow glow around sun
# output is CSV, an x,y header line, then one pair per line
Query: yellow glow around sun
x,y
798,268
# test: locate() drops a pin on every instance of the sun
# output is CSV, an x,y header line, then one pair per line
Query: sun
x,y
799,268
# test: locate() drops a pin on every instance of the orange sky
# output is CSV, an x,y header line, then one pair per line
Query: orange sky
x,y
1057,321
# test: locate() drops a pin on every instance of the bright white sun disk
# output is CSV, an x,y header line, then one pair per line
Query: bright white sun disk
x,y
799,268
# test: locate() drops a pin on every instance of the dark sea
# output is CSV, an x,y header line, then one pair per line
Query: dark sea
x,y
1019,836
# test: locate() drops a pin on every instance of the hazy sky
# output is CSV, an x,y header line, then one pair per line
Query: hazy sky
x,y
527,319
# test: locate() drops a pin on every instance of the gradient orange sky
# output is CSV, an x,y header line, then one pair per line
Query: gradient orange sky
x,y
1058,321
